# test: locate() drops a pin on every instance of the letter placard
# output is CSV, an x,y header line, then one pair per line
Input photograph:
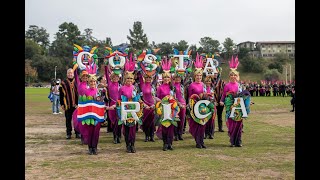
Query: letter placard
x,y
242,107
124,112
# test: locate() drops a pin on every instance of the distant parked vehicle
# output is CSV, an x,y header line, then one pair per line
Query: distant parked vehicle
x,y
26,84
38,85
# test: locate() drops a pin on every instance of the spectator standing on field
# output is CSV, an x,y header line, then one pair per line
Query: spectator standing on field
x,y
56,97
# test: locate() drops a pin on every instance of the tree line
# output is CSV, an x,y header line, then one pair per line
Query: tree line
x,y
42,56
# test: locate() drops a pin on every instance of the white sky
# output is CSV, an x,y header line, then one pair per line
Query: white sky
x,y
169,20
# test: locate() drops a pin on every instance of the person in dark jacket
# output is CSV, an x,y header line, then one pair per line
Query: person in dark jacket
x,y
293,95
69,100
219,85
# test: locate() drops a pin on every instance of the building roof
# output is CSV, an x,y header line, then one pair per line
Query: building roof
x,y
276,42
245,42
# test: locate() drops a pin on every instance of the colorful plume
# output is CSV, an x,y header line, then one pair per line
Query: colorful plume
x,y
166,64
130,64
198,63
233,64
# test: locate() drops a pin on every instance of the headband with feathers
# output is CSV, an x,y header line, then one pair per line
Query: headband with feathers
x,y
166,66
198,65
129,67
233,64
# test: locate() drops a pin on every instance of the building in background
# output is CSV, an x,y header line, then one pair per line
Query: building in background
x,y
251,46
248,44
267,49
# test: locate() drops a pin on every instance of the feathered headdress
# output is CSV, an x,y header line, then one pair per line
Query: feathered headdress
x,y
198,65
148,62
129,68
166,66
116,60
186,62
88,58
233,64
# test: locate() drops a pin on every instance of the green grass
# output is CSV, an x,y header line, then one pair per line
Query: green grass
x,y
37,94
268,103
36,101
267,152
254,77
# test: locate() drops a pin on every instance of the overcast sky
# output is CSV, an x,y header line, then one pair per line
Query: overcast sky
x,y
169,20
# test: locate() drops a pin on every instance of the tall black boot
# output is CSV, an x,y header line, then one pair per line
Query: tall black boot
x,y
114,139
203,146
146,137
118,139
238,143
78,135
82,140
165,145
119,135
128,147
90,152
220,126
180,137
133,149
109,129
94,150
198,142
151,135
202,143
170,146
175,131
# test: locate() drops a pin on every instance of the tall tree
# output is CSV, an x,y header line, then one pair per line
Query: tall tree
x,y
165,48
138,39
272,74
181,45
255,65
67,35
282,58
88,38
70,32
200,50
38,35
209,45
31,48
45,66
243,53
153,45
30,72
228,47
193,48
276,65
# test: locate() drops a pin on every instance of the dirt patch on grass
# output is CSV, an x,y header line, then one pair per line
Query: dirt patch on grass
x,y
279,117
225,158
269,173
48,155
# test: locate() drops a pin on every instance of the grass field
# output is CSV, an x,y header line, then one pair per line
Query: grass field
x,y
256,77
268,150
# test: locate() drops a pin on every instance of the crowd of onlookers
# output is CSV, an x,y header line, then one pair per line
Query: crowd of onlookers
x,y
265,88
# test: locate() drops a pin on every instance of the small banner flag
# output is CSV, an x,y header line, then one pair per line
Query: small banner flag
x,y
91,109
